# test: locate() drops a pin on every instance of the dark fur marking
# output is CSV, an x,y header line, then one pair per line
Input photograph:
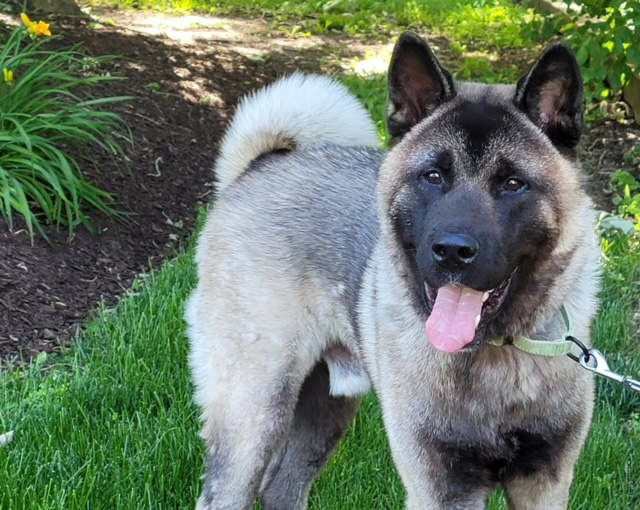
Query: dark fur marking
x,y
266,161
215,472
257,164
470,463
480,122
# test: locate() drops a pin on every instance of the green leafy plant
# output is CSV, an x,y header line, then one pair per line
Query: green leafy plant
x,y
626,190
604,34
44,112
632,157
627,197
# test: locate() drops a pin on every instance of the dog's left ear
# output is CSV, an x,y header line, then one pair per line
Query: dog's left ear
x,y
417,82
551,95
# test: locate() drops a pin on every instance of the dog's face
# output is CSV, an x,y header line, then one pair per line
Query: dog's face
x,y
475,188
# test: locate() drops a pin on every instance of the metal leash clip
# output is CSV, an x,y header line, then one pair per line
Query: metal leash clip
x,y
597,364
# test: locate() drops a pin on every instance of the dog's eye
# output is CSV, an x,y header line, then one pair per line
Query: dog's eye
x,y
513,185
433,177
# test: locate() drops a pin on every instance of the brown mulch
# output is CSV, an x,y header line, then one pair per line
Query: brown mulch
x,y
183,95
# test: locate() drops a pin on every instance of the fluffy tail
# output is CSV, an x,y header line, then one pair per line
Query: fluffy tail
x,y
294,112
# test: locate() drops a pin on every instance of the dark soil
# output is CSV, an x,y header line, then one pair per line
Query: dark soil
x,y
183,95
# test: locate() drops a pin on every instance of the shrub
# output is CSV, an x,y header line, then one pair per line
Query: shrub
x,y
44,114
604,34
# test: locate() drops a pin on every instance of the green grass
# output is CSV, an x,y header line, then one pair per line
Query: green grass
x,y
110,424
608,473
489,23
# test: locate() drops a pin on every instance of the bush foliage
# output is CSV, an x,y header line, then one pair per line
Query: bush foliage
x,y
604,34
44,115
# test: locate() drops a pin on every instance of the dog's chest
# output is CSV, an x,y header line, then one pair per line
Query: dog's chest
x,y
477,459
503,424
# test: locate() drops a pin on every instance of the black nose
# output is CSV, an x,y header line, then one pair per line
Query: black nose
x,y
453,250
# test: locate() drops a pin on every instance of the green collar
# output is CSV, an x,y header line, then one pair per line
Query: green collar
x,y
556,347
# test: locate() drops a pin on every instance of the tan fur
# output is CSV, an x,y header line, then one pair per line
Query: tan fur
x,y
504,384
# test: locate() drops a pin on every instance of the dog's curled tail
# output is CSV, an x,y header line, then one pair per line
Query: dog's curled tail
x,y
295,112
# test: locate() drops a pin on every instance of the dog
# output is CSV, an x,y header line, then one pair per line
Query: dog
x,y
328,266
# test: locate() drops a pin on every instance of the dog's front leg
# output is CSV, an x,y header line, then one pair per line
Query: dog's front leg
x,y
548,487
542,491
429,475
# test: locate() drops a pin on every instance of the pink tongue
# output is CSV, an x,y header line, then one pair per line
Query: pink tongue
x,y
452,323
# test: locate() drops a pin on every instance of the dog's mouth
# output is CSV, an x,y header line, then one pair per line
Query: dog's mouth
x,y
458,312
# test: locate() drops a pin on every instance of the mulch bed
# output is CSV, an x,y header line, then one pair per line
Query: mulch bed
x,y
47,292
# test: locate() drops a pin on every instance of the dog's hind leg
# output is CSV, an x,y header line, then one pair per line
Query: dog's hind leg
x,y
240,446
320,420
244,426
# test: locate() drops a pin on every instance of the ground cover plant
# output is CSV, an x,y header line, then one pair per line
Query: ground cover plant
x,y
492,23
45,109
110,424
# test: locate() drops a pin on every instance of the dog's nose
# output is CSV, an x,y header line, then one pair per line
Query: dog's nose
x,y
454,250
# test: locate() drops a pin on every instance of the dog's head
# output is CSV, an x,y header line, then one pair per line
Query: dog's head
x,y
481,189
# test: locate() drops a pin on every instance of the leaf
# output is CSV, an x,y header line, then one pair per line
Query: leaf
x,y
41,358
582,55
611,222
615,80
595,50
567,27
548,31
633,56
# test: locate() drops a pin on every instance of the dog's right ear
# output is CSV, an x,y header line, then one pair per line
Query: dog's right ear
x,y
418,84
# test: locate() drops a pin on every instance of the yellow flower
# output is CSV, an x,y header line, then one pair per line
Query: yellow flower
x,y
25,19
35,29
8,76
41,28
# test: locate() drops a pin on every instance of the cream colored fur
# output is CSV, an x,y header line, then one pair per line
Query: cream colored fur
x,y
269,120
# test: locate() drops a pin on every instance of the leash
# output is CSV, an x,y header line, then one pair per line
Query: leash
x,y
590,359
594,361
